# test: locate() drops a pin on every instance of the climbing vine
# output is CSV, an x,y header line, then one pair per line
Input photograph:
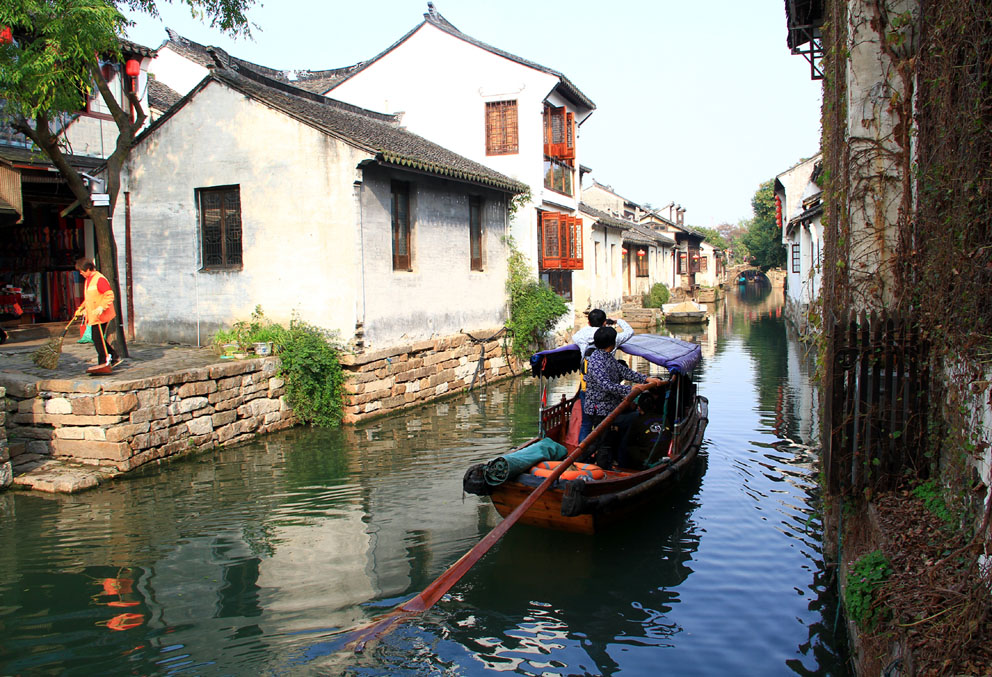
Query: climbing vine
x,y
534,308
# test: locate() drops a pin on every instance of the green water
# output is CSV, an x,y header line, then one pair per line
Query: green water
x,y
253,560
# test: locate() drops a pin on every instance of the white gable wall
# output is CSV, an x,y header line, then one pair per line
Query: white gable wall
x,y
441,85
298,211
176,71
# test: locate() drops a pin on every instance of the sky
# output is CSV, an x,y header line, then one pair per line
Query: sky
x,y
696,102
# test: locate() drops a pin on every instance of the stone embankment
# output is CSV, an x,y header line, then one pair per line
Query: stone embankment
x,y
99,428
383,381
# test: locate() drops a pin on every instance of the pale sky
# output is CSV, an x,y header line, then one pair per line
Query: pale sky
x,y
696,102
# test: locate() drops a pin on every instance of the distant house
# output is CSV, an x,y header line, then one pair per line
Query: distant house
x,y
250,192
797,197
503,111
601,281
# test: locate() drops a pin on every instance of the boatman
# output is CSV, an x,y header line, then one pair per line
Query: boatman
x,y
605,391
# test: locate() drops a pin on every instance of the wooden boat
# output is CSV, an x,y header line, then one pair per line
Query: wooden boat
x,y
687,312
587,505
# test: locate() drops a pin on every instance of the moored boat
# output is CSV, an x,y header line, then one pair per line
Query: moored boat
x,y
686,312
669,428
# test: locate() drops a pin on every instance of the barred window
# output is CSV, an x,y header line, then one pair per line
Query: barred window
x,y
501,128
796,267
220,226
400,217
642,261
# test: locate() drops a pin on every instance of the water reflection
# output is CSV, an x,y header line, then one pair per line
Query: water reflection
x,y
254,559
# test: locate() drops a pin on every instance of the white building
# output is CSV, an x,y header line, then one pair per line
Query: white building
x,y
340,216
797,198
516,116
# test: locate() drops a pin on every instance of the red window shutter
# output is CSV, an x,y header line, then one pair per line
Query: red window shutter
x,y
550,240
579,259
547,131
568,145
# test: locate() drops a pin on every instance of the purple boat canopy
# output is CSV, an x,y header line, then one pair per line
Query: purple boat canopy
x,y
671,353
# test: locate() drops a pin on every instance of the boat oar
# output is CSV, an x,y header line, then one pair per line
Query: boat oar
x,y
432,593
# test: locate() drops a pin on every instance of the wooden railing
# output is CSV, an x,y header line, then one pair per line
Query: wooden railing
x,y
875,402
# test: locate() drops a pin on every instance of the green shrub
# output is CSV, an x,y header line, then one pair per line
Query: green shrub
x,y
864,578
309,364
534,307
655,298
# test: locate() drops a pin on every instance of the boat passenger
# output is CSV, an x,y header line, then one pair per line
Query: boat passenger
x,y
605,391
583,339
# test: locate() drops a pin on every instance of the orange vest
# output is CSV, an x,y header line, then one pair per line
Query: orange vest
x,y
93,299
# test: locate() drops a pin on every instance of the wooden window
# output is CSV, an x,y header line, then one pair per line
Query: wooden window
x,y
560,282
475,232
220,226
558,176
795,259
501,128
641,254
559,133
703,263
682,267
400,213
561,241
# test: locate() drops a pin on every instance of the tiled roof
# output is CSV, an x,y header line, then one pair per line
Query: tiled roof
x,y
606,219
434,18
161,96
376,133
312,81
641,235
27,156
129,48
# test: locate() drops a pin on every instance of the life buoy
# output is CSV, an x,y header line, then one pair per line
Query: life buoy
x,y
117,586
585,471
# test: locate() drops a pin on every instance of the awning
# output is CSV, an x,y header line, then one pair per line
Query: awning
x,y
671,353
10,190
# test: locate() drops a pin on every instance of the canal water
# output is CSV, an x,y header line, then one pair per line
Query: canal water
x,y
254,560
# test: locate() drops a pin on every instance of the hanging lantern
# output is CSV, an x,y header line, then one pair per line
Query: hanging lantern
x,y
6,35
132,67
640,252
623,251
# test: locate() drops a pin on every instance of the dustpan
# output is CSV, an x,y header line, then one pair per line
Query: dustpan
x,y
99,370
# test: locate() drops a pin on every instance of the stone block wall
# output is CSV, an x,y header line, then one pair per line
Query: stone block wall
x,y
383,381
126,424
6,470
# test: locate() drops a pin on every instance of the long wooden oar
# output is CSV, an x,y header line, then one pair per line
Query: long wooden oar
x,y
433,592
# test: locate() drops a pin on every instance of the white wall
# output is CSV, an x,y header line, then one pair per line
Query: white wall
x,y
441,85
298,211
175,70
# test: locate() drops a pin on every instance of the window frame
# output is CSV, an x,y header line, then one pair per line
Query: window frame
x,y
796,258
560,282
502,127
560,243
476,234
400,190
225,240
642,266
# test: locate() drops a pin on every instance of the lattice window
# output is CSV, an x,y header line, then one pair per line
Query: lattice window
x,y
561,241
501,128
220,226
796,265
559,133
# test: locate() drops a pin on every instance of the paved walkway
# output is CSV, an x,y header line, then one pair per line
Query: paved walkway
x,y
34,471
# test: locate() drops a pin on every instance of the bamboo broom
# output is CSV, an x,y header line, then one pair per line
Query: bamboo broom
x,y
47,357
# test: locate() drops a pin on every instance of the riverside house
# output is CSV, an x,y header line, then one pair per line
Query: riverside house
x,y
250,192
797,201
516,116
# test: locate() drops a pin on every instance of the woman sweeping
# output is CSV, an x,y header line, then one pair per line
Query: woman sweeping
x,y
97,310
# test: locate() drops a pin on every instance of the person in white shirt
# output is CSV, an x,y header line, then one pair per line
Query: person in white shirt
x,y
597,318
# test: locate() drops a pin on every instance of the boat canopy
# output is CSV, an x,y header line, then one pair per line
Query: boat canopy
x,y
671,353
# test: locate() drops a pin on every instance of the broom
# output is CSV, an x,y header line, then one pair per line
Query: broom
x,y
47,357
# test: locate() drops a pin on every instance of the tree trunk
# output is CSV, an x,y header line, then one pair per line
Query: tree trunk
x,y
106,250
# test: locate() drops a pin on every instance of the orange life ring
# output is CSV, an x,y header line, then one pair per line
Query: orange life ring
x,y
586,471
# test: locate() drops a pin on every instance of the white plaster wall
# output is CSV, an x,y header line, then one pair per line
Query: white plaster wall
x,y
441,85
298,211
441,295
598,284
176,71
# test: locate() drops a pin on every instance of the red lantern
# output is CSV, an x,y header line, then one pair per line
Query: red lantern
x,y
640,252
623,251
6,35
132,67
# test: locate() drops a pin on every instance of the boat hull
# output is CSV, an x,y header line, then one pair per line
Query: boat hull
x,y
595,504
